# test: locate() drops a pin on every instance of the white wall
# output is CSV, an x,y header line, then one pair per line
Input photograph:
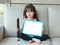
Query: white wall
x,y
2,1
37,1
32,1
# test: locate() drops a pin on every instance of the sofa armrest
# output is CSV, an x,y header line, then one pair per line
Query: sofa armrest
x,y
1,32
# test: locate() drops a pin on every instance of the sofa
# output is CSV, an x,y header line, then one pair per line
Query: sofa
x,y
49,14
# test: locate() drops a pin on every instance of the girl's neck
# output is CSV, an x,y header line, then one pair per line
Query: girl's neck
x,y
30,18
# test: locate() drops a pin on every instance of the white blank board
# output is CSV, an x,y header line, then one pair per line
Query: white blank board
x,y
33,28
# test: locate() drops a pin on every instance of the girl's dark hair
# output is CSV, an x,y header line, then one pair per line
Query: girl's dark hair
x,y
32,8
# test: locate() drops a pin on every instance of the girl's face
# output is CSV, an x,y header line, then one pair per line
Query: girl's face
x,y
29,13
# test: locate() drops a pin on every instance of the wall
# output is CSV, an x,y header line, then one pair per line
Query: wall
x,y
37,1
32,1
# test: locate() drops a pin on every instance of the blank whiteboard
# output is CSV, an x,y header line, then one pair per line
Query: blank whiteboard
x,y
33,28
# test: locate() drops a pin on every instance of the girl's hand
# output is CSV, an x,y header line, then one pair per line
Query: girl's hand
x,y
18,29
43,30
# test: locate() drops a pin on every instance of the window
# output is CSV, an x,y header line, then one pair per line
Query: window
x,y
1,9
2,13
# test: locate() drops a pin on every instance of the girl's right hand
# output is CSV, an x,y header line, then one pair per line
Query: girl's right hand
x,y
18,29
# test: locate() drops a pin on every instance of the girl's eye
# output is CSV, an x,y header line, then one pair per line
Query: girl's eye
x,y
28,11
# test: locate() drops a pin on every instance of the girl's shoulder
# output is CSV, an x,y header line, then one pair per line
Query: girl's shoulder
x,y
22,20
41,21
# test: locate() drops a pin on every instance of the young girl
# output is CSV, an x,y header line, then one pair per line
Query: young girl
x,y
31,14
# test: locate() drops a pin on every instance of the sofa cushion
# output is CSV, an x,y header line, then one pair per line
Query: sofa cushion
x,y
1,32
13,41
54,21
11,14
55,41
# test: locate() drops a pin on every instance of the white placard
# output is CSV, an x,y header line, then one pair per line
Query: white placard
x,y
33,28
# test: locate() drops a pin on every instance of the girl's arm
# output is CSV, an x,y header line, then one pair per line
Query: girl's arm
x,y
21,25
42,29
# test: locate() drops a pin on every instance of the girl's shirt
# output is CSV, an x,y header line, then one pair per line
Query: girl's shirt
x,y
31,20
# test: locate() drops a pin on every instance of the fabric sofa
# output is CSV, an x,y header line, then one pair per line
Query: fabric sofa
x,y
50,16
